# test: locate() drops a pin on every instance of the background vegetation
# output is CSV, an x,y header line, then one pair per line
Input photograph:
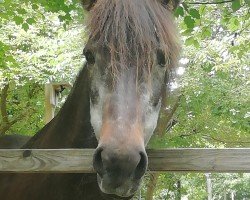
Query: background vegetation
x,y
41,41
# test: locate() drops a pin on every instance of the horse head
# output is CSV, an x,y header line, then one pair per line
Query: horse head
x,y
131,51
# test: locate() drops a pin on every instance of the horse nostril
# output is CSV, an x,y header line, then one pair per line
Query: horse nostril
x,y
142,166
97,161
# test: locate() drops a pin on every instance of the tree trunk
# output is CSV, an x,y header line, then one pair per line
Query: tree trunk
x,y
3,107
162,124
178,190
225,195
232,195
209,186
152,185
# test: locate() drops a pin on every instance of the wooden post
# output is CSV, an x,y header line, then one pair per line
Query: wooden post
x,y
50,102
51,98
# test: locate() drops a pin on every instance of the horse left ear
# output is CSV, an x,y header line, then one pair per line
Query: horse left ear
x,y
171,4
88,4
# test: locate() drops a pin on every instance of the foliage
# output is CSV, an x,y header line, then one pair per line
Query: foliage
x,y
34,54
225,184
213,109
214,103
193,186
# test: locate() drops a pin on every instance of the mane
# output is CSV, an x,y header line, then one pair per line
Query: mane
x,y
133,30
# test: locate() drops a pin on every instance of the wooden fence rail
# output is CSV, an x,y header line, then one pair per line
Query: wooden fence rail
x,y
80,160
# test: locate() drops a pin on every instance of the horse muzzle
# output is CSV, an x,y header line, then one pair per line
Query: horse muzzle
x,y
119,172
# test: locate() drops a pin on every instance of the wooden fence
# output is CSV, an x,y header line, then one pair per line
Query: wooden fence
x,y
80,160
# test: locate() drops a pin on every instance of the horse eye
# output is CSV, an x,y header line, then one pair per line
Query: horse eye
x,y
161,58
89,57
94,95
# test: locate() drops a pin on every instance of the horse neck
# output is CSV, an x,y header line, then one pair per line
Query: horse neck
x,y
71,127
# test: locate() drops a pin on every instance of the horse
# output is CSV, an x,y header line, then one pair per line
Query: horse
x,y
114,105
13,141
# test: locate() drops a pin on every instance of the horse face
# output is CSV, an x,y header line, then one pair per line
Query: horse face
x,y
127,61
124,114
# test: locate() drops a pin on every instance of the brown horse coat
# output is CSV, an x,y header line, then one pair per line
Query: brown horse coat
x,y
71,128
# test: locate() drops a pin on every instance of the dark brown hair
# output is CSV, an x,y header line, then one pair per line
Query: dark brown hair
x,y
133,30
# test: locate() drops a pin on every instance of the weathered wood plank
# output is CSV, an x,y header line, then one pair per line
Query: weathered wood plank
x,y
80,160
46,160
200,160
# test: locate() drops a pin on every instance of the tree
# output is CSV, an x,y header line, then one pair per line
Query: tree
x,y
35,50
214,89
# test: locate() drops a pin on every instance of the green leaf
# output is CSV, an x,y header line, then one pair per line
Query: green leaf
x,y
18,20
236,5
65,8
10,12
194,13
187,32
30,21
4,47
6,2
61,18
206,32
202,9
247,2
21,11
67,17
25,26
65,26
189,41
196,43
10,59
234,24
4,15
189,21
192,42
179,12
34,7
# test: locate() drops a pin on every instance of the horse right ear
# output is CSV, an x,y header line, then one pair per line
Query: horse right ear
x,y
88,4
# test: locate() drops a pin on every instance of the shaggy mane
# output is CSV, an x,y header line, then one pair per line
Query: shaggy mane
x,y
133,30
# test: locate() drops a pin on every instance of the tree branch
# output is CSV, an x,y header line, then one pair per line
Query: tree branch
x,y
7,123
5,127
219,2
187,135
3,104
164,121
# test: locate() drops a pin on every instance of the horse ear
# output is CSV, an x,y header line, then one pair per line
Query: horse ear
x,y
88,4
170,4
